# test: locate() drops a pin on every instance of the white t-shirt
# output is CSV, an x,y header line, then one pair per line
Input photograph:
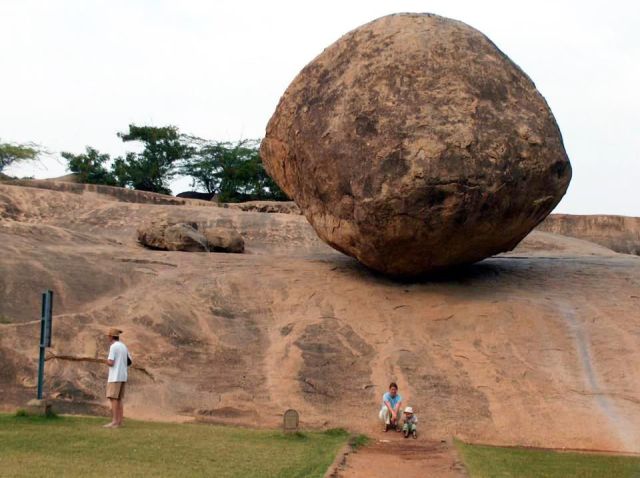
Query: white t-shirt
x,y
118,352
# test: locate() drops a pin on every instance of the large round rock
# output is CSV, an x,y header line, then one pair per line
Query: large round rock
x,y
413,144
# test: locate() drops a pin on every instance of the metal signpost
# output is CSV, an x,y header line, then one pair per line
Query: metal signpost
x,y
45,334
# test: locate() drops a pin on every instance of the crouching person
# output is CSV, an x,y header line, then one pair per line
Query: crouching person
x,y
390,412
410,423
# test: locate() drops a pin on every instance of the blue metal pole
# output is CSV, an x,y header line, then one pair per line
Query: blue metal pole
x,y
42,345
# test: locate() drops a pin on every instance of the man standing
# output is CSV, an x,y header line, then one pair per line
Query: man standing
x,y
118,360
390,412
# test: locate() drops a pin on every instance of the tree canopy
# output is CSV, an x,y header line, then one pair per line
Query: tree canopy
x,y
11,153
153,168
232,170
90,167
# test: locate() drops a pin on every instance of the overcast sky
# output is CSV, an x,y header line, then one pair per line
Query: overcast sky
x,y
75,72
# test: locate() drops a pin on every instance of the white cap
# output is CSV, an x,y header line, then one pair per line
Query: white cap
x,y
408,410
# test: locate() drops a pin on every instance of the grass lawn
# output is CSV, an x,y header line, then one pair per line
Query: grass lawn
x,y
79,446
491,461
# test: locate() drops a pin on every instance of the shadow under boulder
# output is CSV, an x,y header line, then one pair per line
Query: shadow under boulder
x,y
189,237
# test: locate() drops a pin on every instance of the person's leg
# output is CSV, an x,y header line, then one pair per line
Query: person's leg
x,y
384,417
121,403
396,423
120,412
405,429
114,413
114,410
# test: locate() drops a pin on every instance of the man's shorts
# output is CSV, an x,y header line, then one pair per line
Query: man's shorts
x,y
116,390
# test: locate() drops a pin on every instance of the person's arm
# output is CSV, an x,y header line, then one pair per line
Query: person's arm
x,y
398,405
394,411
111,358
388,404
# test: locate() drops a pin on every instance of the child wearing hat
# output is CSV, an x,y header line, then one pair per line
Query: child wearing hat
x,y
410,423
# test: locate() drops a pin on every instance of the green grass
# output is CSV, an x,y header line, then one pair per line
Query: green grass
x,y
359,441
489,461
77,446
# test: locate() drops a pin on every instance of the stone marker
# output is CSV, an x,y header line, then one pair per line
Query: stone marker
x,y
42,407
290,421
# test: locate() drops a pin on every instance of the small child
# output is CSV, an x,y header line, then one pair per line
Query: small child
x,y
410,423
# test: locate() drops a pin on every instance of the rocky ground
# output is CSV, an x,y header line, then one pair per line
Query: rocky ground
x,y
537,347
619,233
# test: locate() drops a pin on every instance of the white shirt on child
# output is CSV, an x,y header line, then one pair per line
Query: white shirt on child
x,y
413,419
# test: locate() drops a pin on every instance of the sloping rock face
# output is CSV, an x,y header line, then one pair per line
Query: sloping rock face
x,y
539,347
618,233
413,144
65,184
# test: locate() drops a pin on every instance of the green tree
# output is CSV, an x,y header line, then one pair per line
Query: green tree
x,y
153,168
11,153
90,167
120,170
234,171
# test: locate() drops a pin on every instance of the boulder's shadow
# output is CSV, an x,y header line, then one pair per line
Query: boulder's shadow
x,y
494,271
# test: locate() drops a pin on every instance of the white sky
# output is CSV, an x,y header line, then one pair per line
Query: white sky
x,y
74,72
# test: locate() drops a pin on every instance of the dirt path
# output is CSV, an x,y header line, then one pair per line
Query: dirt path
x,y
393,455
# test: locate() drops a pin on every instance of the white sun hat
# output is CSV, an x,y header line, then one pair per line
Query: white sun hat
x,y
408,410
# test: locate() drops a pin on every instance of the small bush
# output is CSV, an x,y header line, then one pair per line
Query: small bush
x,y
359,441
294,436
336,432
22,413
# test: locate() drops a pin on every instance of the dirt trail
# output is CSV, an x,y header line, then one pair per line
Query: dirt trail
x,y
393,455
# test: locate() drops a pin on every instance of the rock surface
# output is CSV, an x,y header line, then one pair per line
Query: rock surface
x,y
539,347
279,207
224,240
184,237
413,144
116,193
165,236
618,233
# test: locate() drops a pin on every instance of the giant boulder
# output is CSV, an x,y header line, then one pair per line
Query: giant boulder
x,y
414,144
